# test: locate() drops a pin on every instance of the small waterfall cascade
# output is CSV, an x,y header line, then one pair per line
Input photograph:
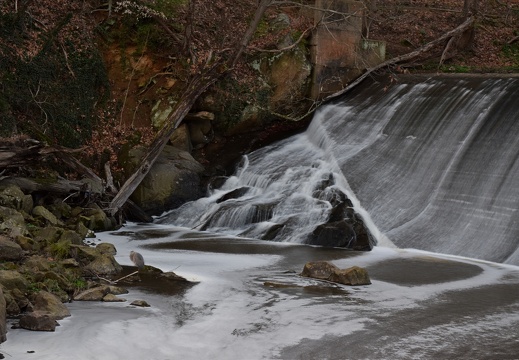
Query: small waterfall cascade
x,y
429,162
281,192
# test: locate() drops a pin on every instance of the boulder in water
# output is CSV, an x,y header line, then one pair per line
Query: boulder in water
x,y
324,270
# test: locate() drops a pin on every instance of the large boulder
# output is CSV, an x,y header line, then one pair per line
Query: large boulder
x,y
324,270
345,227
38,321
50,304
94,261
172,180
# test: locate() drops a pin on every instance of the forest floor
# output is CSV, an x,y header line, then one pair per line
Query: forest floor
x,y
406,25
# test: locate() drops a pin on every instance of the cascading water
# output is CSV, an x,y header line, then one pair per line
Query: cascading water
x,y
432,161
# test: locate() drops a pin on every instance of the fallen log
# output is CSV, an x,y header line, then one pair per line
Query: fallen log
x,y
59,186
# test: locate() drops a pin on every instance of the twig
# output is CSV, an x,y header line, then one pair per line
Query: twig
x,y
285,48
66,61
512,40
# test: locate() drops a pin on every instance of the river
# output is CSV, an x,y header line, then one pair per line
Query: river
x,y
431,168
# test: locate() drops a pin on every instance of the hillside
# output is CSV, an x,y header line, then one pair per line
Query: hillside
x,y
76,74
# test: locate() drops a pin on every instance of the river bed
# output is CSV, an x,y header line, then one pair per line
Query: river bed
x,y
250,303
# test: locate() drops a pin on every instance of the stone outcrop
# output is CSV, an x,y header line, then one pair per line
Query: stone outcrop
x,y
345,227
324,270
172,180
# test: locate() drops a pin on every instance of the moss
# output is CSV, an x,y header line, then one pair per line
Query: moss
x,y
60,249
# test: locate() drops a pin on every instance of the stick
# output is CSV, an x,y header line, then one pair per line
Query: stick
x,y
124,277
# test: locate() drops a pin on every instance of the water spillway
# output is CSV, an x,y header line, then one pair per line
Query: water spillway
x,y
429,163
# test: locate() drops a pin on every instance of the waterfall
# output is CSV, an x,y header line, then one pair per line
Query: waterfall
x,y
428,163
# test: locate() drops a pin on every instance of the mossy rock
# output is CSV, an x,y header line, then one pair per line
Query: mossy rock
x,y
12,222
13,197
47,235
10,280
42,213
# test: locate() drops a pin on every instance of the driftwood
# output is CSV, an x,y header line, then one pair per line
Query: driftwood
x,y
406,57
15,156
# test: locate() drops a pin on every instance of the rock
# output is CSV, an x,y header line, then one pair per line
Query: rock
x,y
3,315
351,276
161,111
172,180
140,303
181,138
47,235
319,270
344,228
26,243
94,294
11,280
12,222
60,209
117,290
69,263
37,263
72,237
9,250
104,265
38,321
106,248
170,275
234,194
288,73
50,304
200,127
323,270
82,230
21,300
14,198
42,213
12,308
96,219
113,298
84,254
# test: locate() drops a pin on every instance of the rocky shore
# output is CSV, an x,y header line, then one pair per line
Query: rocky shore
x,y
47,259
